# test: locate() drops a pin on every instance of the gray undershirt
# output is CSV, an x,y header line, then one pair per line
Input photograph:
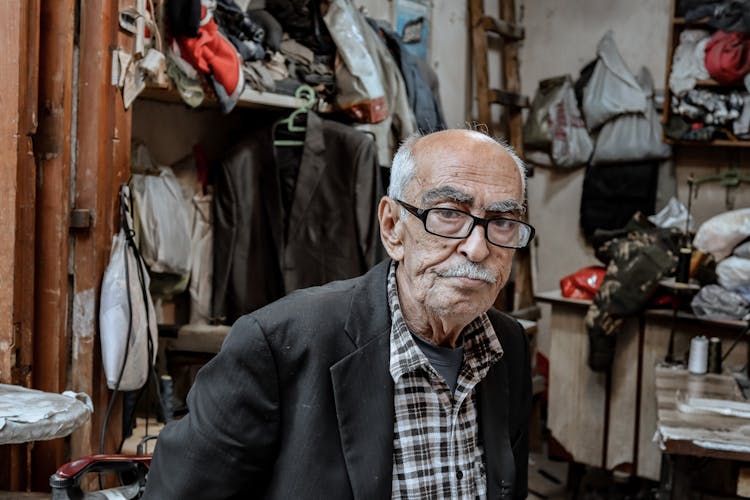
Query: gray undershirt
x,y
445,360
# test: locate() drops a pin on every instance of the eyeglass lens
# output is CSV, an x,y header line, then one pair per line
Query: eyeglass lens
x,y
453,223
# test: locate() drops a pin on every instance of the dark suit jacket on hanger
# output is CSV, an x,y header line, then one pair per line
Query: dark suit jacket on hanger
x,y
331,231
299,405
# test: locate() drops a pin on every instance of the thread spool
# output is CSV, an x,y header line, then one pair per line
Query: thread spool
x,y
714,355
683,265
698,359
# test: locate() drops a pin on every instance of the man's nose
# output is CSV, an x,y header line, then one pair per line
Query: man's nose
x,y
475,247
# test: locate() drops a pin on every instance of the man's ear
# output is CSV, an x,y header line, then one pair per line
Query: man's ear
x,y
390,230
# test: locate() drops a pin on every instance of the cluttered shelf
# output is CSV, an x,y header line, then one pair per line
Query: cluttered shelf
x,y
715,142
249,98
556,297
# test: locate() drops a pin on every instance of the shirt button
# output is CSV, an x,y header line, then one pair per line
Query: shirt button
x,y
459,475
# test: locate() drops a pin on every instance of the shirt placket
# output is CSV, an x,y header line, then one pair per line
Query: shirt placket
x,y
459,475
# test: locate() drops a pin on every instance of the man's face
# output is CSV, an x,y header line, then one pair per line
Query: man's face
x,y
465,171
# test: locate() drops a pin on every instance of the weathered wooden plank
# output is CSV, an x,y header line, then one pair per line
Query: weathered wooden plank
x,y
103,163
623,398
52,145
18,69
577,395
479,58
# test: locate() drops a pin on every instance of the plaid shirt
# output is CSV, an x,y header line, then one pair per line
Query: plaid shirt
x,y
436,447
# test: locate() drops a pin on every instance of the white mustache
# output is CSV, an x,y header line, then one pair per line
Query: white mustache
x,y
471,270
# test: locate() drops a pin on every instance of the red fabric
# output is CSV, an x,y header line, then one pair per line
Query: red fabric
x,y
728,56
583,283
211,53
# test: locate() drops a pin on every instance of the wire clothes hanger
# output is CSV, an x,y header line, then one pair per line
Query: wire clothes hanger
x,y
288,125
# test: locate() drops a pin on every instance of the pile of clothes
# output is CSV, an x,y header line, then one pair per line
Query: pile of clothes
x,y
721,54
360,67
726,238
230,45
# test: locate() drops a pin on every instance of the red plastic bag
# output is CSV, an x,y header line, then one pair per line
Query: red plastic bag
x,y
583,283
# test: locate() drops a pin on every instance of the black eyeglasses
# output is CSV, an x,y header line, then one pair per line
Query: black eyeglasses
x,y
457,224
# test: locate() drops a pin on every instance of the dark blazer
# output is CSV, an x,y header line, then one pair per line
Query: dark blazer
x,y
283,223
299,405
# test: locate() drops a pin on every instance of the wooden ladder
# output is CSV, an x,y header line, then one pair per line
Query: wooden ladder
x,y
510,98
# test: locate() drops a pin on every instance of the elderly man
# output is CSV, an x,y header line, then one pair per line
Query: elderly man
x,y
402,383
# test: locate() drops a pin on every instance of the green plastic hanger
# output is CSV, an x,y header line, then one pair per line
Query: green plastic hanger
x,y
303,92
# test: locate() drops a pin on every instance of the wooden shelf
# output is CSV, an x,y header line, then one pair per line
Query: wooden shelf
x,y
680,21
714,143
555,296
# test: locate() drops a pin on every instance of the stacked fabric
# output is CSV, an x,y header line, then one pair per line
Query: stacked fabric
x,y
726,237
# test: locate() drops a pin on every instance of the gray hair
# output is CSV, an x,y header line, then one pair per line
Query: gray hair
x,y
404,164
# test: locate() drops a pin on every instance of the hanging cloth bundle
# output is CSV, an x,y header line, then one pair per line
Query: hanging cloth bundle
x,y
127,320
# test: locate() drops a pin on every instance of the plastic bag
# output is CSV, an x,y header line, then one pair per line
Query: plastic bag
x,y
716,302
634,136
733,272
536,130
720,234
121,290
742,250
583,284
612,90
164,221
571,143
674,214
360,90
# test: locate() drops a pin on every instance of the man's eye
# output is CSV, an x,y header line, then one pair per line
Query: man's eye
x,y
448,214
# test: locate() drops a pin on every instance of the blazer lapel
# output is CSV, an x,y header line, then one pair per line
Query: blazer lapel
x,y
363,391
493,397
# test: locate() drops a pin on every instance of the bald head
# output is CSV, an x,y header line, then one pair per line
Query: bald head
x,y
432,146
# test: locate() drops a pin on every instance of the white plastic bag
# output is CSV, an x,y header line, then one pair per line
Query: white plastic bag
x,y
165,222
571,143
674,214
360,86
742,250
122,294
721,233
536,129
612,89
633,137
733,272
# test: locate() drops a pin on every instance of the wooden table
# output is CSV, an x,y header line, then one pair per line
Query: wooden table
x,y
695,420
609,421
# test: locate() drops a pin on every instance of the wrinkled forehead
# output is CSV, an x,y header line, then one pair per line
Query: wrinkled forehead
x,y
472,170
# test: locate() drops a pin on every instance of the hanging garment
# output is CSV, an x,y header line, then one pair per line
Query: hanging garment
x,y
423,101
329,231
637,257
613,193
202,264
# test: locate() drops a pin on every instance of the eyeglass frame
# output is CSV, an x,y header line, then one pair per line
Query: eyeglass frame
x,y
422,213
